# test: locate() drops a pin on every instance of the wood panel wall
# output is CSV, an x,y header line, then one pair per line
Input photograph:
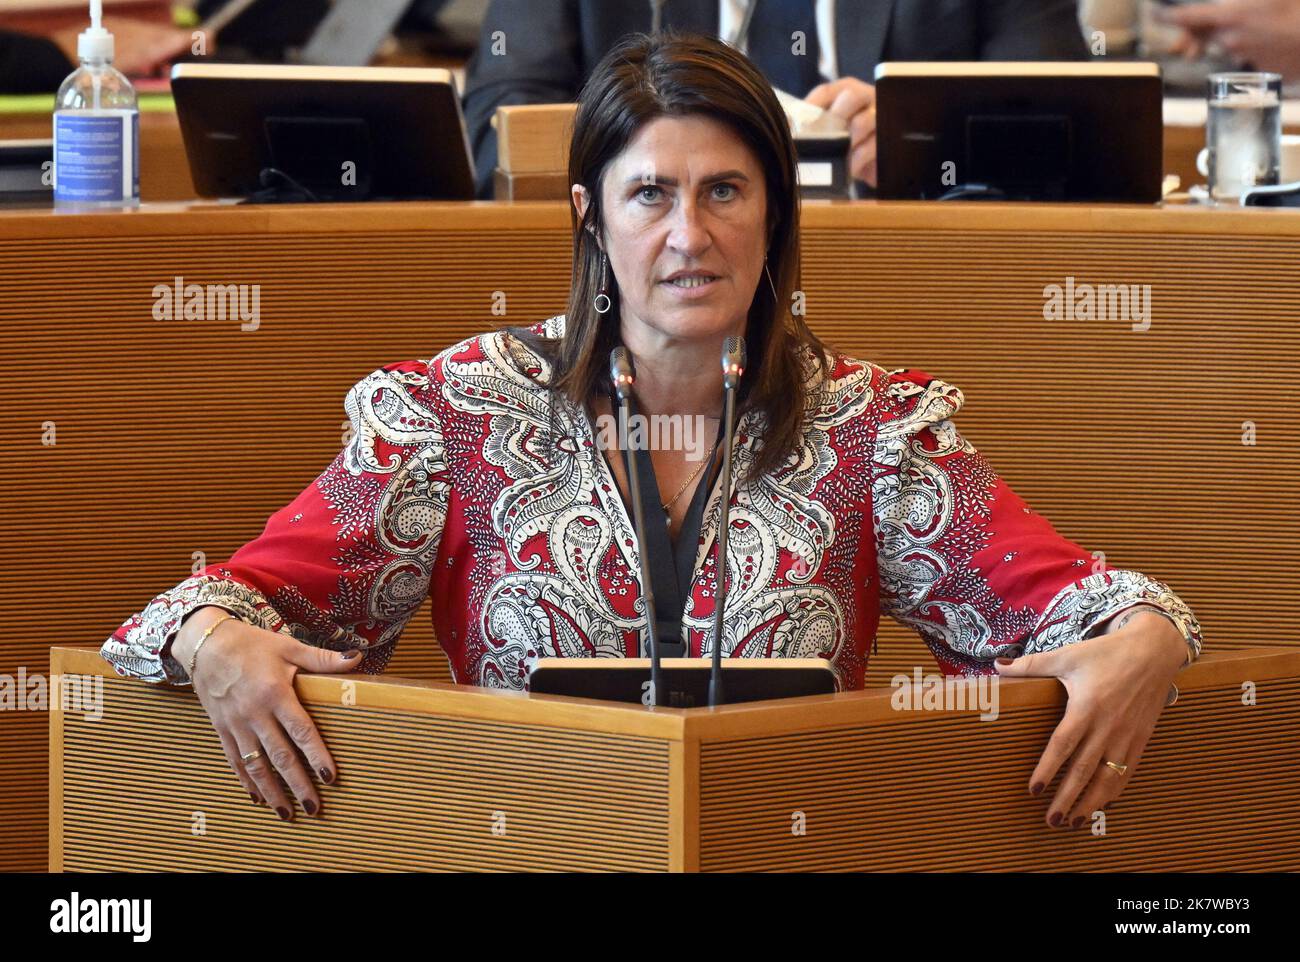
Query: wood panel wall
x,y
177,437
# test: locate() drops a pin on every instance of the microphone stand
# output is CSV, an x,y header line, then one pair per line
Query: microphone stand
x,y
621,370
733,364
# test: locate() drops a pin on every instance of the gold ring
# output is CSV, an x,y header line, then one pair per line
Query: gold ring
x,y
255,753
1121,769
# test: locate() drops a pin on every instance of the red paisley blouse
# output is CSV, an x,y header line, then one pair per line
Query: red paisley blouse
x,y
453,487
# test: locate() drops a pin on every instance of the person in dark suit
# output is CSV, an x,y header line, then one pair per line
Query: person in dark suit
x,y
31,64
541,51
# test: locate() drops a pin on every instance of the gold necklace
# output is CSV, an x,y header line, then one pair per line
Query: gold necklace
x,y
694,475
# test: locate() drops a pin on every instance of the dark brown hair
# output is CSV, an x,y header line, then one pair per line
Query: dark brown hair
x,y
670,74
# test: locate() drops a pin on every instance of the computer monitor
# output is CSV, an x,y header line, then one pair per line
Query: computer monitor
x,y
304,133
686,679
1020,131
24,172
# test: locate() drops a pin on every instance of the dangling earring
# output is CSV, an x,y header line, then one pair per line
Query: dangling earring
x,y
603,293
769,280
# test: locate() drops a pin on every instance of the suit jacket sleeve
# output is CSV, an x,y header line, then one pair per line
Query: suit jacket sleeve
x,y
347,563
529,52
1030,30
31,65
965,561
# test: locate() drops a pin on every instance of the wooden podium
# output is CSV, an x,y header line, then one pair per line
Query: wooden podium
x,y
1130,442
441,777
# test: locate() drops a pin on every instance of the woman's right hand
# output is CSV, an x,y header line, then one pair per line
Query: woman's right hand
x,y
244,679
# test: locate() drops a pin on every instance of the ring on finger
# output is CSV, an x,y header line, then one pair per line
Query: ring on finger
x,y
255,753
1119,769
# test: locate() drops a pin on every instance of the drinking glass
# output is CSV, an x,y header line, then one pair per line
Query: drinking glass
x,y
1243,134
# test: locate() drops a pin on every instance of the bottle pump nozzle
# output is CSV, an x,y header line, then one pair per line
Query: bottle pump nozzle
x,y
95,43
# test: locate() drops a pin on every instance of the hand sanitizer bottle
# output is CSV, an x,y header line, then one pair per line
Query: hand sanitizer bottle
x,y
96,129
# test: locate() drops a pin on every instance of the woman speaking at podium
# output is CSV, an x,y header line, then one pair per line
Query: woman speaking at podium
x,y
480,478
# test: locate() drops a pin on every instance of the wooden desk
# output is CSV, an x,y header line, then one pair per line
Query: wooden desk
x,y
182,437
164,169
434,777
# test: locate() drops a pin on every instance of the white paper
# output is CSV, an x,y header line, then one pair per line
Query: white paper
x,y
807,120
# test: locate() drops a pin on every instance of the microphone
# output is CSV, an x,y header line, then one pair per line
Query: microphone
x,y
621,372
733,368
624,377
656,15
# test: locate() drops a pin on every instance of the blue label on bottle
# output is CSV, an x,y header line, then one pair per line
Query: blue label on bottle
x,y
95,155
135,153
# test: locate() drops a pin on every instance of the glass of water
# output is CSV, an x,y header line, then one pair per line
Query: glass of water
x,y
1243,136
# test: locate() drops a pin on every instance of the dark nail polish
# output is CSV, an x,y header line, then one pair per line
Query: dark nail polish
x,y
1004,661
1078,820
350,653
1054,819
327,776
255,798
1036,788
282,812
309,806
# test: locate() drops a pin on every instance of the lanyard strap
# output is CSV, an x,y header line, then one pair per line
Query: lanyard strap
x,y
670,567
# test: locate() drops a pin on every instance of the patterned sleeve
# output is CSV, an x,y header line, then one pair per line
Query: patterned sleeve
x,y
347,563
965,561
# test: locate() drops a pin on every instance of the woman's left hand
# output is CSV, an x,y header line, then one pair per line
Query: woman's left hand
x,y
1117,684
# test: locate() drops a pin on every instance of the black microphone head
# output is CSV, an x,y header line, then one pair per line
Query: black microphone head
x,y
621,372
733,361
